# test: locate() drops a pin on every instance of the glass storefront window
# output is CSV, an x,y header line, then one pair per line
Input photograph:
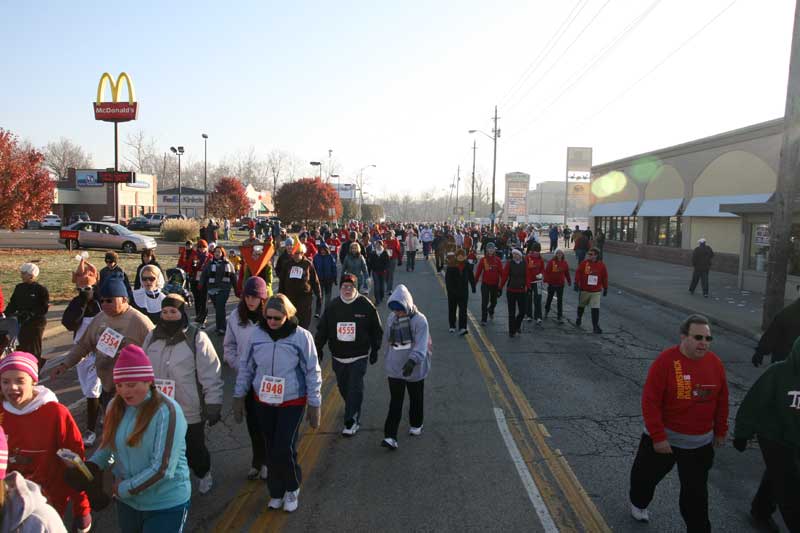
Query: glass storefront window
x,y
664,231
617,228
759,249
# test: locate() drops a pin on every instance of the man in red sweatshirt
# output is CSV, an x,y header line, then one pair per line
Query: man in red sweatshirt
x,y
591,277
491,268
685,410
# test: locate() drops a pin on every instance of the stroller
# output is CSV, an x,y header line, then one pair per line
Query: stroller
x,y
9,330
177,283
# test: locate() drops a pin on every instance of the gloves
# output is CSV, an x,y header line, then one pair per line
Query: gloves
x,y
213,413
605,291
757,359
409,367
499,292
740,444
238,410
313,415
373,357
98,498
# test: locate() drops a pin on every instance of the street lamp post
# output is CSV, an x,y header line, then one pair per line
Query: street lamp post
x,y
472,199
179,153
330,164
317,164
205,175
495,135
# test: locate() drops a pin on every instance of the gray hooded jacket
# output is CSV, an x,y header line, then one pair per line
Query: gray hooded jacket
x,y
420,347
26,509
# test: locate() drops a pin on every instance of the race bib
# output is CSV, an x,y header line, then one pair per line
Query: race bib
x,y
403,346
109,342
296,272
389,252
346,331
591,279
166,386
271,390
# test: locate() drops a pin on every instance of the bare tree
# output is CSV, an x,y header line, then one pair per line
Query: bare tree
x,y
142,154
64,154
276,167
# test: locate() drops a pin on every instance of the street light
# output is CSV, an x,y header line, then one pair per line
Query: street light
x,y
317,164
179,153
495,135
205,175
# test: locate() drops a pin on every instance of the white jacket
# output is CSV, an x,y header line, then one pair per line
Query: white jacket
x,y
236,338
412,243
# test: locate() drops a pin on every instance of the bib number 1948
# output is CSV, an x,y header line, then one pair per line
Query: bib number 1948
x,y
271,390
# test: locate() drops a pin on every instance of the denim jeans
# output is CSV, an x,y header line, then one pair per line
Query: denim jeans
x,y
220,299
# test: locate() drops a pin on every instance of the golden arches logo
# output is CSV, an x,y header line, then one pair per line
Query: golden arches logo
x,y
115,87
115,111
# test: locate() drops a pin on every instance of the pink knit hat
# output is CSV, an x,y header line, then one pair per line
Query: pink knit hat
x,y
133,365
21,361
3,453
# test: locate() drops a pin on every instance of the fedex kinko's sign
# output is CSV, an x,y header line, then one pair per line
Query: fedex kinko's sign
x,y
115,111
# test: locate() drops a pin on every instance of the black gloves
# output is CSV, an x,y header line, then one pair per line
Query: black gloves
x,y
605,292
98,498
757,359
409,367
740,444
238,410
213,413
373,357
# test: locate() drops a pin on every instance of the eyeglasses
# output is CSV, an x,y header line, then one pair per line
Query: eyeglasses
x,y
708,338
148,278
106,300
273,317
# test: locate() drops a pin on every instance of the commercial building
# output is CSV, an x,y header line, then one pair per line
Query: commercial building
x,y
657,205
261,203
191,202
82,191
546,201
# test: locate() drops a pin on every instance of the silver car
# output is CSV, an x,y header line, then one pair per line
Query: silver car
x,y
109,236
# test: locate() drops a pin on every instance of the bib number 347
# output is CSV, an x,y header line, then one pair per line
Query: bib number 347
x,y
271,390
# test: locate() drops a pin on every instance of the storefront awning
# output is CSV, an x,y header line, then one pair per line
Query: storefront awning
x,y
667,207
709,206
614,209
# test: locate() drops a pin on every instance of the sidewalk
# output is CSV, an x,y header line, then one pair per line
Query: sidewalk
x,y
668,284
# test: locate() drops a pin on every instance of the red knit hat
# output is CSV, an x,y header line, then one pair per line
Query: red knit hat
x,y
133,365
23,361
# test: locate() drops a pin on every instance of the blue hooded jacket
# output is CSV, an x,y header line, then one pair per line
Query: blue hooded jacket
x,y
325,265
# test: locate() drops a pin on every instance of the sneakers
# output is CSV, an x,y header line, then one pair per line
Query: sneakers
x,y
316,315
538,321
415,432
205,483
350,428
290,500
262,474
529,319
640,515
389,443
275,503
462,332
89,439
252,474
452,330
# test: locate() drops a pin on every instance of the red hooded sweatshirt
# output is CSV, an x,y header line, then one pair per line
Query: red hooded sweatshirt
x,y
591,276
491,267
557,272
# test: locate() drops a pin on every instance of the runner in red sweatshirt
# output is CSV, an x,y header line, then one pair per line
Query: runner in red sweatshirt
x,y
556,275
685,409
535,265
515,273
591,277
37,426
491,268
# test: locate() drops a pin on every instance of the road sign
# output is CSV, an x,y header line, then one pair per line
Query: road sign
x,y
113,176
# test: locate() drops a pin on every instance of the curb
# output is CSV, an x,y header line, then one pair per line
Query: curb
x,y
747,333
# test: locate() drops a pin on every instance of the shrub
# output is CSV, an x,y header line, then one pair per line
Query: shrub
x,y
178,230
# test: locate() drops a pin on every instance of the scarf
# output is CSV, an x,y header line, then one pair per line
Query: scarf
x,y
400,331
282,332
351,300
254,316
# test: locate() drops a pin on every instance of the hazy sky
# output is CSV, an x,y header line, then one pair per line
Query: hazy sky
x,y
399,84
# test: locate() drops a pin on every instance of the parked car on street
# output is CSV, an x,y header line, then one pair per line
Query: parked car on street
x,y
108,236
77,216
139,223
49,221
154,220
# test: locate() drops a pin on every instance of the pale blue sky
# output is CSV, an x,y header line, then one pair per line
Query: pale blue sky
x,y
396,84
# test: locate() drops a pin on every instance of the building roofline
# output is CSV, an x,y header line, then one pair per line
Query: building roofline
x,y
754,131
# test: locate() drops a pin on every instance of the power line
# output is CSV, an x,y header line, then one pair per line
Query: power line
x,y
581,73
579,5
659,64
563,53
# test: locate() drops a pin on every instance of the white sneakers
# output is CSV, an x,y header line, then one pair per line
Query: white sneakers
x,y
452,330
205,483
640,515
462,332
415,432
290,500
389,443
255,473
262,474
89,439
352,430
275,503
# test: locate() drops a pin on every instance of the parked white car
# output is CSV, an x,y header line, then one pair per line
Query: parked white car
x,y
50,221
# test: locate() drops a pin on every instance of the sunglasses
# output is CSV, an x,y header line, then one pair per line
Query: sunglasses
x,y
708,338
273,317
106,300
148,278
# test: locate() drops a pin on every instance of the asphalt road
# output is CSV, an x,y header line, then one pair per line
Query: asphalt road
x,y
532,433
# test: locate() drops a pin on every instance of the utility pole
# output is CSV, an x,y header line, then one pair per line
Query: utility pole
x,y
495,135
786,188
458,180
472,199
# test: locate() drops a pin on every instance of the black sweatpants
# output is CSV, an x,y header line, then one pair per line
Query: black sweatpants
x,y
200,303
702,277
29,338
254,430
488,300
280,427
516,310
411,259
533,302
779,483
196,451
649,468
350,381
457,301
397,390
558,291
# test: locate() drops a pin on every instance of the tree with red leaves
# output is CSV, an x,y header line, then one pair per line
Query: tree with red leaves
x,y
307,200
26,190
229,199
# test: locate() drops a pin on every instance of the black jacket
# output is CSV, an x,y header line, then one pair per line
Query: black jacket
x,y
378,262
781,333
30,302
459,281
369,332
701,257
79,308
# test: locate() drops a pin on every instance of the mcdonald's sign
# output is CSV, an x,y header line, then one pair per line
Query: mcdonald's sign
x,y
115,111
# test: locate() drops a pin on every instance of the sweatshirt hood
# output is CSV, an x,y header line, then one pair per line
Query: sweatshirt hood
x,y
402,295
43,396
24,497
